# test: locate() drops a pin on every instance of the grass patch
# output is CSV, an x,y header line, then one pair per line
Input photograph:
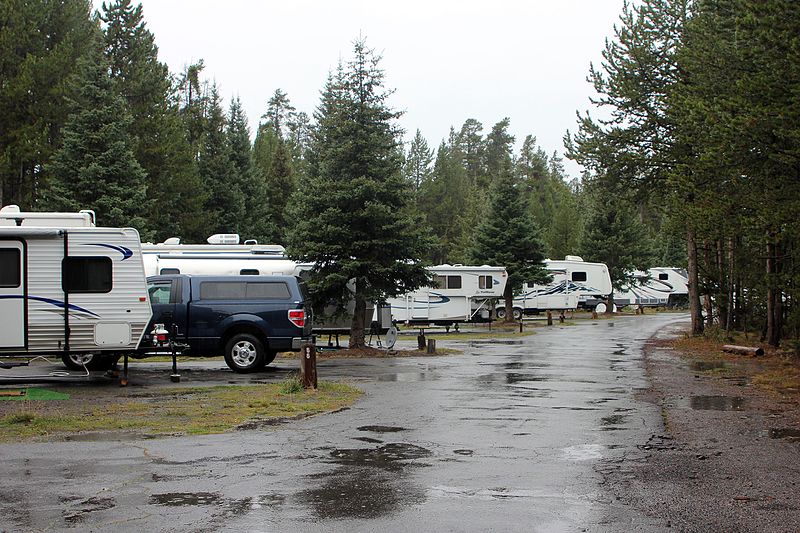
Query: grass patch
x,y
194,411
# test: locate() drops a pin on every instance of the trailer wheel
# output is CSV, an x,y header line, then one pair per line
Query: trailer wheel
x,y
244,353
500,312
517,313
91,361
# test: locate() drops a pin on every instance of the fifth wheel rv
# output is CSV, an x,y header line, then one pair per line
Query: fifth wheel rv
x,y
460,294
69,288
576,284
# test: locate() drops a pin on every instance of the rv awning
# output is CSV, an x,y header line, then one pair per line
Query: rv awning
x,y
30,233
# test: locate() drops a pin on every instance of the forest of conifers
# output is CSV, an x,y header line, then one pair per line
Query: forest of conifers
x,y
695,162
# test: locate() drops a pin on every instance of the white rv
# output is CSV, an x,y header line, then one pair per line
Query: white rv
x,y
460,294
660,286
69,288
576,283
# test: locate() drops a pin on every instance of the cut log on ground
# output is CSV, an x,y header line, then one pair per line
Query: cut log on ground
x,y
743,350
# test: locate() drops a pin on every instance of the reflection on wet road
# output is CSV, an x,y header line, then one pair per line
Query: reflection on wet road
x,y
508,436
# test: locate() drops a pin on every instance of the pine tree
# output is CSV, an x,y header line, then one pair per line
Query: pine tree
x,y
96,168
225,209
615,237
417,166
354,218
175,195
510,238
41,43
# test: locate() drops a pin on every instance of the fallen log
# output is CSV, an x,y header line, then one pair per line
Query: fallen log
x,y
743,350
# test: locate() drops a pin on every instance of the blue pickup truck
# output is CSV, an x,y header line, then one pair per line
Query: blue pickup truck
x,y
247,319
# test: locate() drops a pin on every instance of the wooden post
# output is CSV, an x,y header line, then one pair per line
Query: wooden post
x,y
431,346
308,366
421,340
549,318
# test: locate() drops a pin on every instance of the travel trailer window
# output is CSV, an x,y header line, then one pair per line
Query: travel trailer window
x,y
484,282
579,276
226,290
9,268
249,272
86,274
663,276
167,271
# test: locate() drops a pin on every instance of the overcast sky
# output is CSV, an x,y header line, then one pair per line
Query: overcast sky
x,y
447,60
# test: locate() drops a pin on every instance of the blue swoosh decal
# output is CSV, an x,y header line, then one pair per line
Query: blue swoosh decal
x,y
57,303
127,253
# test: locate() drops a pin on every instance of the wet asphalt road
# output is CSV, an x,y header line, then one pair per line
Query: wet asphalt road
x,y
509,436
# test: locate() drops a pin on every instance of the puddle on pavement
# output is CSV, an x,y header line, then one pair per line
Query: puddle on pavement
x,y
88,506
407,377
382,429
612,420
388,456
369,440
179,499
583,452
495,341
498,493
716,403
513,377
364,493
790,434
463,452
705,366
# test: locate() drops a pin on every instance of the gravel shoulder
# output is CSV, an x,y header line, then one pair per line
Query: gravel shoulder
x,y
725,456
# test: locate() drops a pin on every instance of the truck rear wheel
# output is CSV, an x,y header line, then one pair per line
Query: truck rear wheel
x,y
244,353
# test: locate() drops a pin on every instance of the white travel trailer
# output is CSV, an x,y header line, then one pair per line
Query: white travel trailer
x,y
222,256
69,288
460,294
576,283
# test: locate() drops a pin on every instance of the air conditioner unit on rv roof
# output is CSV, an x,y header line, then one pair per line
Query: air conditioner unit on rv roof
x,y
224,238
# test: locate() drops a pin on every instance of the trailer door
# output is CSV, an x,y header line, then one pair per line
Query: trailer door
x,y
12,294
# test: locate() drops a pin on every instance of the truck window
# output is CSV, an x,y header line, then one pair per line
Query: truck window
x,y
159,292
241,290
86,274
10,274
579,276
484,282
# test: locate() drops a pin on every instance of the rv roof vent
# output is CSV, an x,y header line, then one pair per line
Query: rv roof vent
x,y
251,242
224,238
10,209
172,240
573,258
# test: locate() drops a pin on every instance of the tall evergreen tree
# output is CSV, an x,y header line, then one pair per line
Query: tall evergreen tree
x,y
511,238
175,195
41,43
417,166
225,208
615,237
355,219
96,168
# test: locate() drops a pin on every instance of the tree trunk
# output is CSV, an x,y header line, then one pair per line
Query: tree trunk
x,y
722,289
774,307
707,303
693,284
732,300
508,298
357,338
610,303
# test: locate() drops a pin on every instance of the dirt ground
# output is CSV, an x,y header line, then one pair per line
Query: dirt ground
x,y
727,456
